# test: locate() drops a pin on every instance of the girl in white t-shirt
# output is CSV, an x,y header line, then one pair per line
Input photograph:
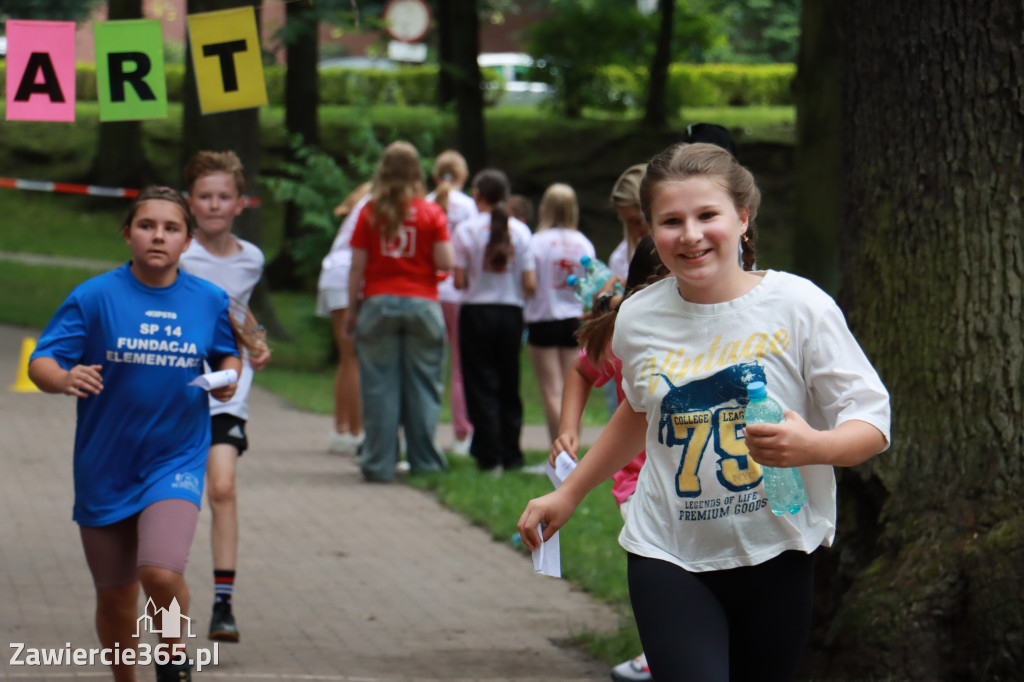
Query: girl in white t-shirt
x,y
495,269
450,174
332,301
553,314
721,588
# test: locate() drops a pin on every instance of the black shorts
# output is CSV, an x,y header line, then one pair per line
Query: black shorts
x,y
560,333
229,429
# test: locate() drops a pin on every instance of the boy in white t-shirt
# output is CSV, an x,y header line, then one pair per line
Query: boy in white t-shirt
x,y
215,182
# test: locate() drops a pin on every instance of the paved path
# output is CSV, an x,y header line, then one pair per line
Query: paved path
x,y
339,580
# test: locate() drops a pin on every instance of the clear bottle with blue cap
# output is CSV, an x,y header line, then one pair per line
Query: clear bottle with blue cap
x,y
595,274
783,486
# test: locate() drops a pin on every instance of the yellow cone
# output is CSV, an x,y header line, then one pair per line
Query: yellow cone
x,y
23,384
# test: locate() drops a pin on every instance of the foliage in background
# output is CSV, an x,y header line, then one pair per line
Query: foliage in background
x,y
63,10
622,88
568,56
760,31
317,183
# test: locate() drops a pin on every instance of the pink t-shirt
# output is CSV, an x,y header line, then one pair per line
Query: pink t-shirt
x,y
624,480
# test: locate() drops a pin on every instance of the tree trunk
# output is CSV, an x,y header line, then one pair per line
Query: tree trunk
x,y
446,39
302,93
932,264
815,233
236,130
120,156
469,98
655,115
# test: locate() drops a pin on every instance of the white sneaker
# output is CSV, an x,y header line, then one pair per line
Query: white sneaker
x,y
344,443
460,447
633,670
402,467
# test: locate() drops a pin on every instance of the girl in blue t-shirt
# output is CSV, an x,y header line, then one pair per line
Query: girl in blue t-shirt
x,y
127,344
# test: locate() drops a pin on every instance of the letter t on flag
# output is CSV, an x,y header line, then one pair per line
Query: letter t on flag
x,y
226,55
130,80
40,70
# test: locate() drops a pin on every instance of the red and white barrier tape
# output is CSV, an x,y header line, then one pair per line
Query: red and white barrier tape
x,y
92,190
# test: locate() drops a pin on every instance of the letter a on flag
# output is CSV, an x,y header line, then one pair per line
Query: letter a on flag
x,y
226,56
130,80
40,70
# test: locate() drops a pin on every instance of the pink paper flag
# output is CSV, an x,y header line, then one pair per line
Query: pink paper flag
x,y
40,70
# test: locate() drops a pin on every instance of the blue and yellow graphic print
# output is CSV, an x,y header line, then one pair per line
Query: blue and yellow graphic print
x,y
705,417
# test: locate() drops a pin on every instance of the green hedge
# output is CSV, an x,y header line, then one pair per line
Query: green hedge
x,y
696,85
615,88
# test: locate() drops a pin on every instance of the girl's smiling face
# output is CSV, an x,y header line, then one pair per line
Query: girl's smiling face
x,y
697,231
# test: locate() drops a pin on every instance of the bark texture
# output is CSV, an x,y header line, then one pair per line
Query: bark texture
x,y
655,113
932,573
818,96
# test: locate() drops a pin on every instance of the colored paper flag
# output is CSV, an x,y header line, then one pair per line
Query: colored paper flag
x,y
130,80
226,56
40,70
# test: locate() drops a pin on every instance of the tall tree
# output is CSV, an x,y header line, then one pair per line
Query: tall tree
x,y
656,114
817,91
120,156
932,256
445,53
301,101
463,18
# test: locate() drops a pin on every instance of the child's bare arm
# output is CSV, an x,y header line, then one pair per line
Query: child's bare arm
x,y
80,381
574,399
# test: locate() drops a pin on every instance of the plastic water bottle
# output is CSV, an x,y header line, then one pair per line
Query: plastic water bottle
x,y
784,487
595,274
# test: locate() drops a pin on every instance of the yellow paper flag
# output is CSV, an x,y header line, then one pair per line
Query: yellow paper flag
x,y
226,56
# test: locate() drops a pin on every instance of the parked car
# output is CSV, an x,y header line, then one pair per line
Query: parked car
x,y
515,70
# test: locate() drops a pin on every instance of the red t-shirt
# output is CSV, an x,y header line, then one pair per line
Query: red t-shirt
x,y
403,266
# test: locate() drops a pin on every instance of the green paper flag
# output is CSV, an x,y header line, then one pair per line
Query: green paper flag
x,y
130,79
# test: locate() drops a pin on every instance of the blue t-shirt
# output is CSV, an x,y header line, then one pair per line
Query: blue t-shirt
x,y
145,437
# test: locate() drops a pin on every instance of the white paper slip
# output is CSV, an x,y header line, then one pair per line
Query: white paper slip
x,y
212,380
564,464
548,559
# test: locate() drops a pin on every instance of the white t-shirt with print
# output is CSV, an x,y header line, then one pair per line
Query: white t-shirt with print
x,y
700,502
461,206
485,285
557,251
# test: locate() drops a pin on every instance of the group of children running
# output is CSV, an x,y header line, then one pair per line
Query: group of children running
x,y
721,587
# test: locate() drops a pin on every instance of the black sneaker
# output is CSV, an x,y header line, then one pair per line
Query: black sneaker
x,y
222,623
174,672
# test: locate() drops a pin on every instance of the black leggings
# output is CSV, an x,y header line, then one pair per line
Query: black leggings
x,y
747,623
